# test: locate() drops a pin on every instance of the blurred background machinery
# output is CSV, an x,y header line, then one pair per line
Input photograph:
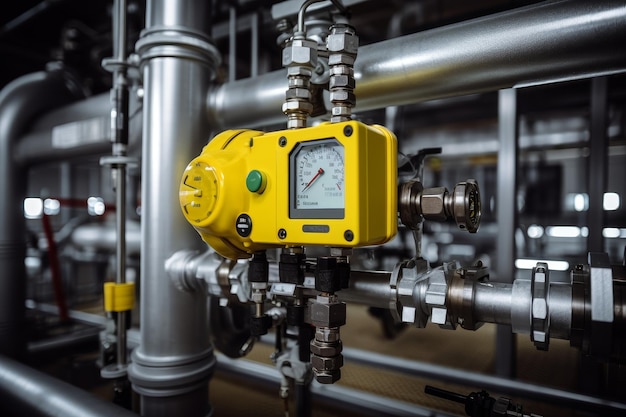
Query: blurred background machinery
x,y
328,229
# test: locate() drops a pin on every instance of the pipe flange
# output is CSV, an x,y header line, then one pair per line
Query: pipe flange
x,y
471,277
179,42
406,292
540,315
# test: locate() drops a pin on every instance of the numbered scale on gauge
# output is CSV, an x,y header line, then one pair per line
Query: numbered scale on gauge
x,y
319,179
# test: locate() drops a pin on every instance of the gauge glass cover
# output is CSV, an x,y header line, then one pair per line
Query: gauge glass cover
x,y
317,180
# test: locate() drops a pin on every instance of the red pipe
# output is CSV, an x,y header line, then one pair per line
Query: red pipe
x,y
55,268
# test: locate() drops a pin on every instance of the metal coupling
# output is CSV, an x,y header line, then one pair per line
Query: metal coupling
x,y
462,204
300,59
599,309
342,44
327,314
540,315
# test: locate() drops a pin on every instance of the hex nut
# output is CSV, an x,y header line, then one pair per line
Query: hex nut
x,y
326,349
257,297
297,105
324,334
300,52
300,93
342,81
299,70
341,40
327,315
342,95
341,59
327,377
297,82
322,363
432,203
341,111
341,70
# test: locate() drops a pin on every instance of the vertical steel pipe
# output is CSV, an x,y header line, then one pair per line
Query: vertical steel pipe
x,y
20,102
597,163
506,218
172,366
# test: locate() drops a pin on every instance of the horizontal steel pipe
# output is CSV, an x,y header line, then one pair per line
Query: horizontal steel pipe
x,y
104,237
492,303
473,379
538,44
337,396
27,392
369,288
38,145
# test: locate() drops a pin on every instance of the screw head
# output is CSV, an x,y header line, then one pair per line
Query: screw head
x,y
348,130
282,142
348,235
282,234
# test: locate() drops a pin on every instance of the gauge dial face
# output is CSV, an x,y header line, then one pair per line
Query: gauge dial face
x,y
318,180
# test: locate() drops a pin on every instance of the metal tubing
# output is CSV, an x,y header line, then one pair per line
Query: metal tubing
x,y
597,163
172,366
120,254
506,218
27,392
20,102
119,116
570,40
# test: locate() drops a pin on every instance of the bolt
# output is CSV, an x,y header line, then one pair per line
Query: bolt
x,y
348,132
348,235
282,142
282,234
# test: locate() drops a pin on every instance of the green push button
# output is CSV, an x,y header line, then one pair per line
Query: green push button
x,y
255,182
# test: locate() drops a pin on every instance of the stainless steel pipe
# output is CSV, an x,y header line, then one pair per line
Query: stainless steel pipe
x,y
369,288
27,392
174,361
103,236
335,396
473,379
538,44
20,102
85,124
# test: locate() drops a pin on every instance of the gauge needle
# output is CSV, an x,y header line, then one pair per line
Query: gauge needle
x,y
319,172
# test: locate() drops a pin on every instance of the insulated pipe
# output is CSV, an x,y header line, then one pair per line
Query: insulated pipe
x,y
27,392
174,361
538,44
20,102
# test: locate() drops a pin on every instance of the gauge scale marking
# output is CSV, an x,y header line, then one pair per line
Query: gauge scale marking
x,y
318,179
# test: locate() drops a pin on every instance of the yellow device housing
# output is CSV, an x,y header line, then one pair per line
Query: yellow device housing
x,y
240,192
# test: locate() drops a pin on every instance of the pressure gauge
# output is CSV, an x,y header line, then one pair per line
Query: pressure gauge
x,y
334,184
317,180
